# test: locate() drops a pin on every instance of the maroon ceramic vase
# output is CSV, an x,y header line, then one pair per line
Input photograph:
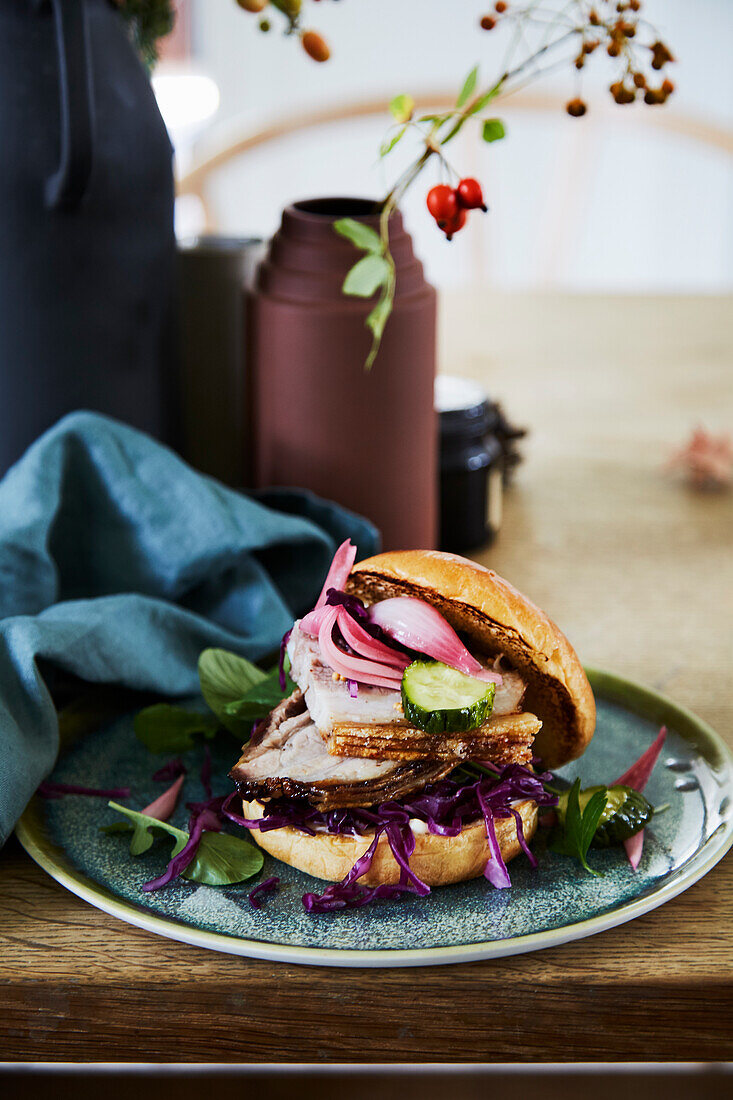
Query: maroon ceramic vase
x,y
320,421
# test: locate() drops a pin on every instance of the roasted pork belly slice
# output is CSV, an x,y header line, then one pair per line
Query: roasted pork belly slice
x,y
290,757
293,748
329,701
503,740
303,652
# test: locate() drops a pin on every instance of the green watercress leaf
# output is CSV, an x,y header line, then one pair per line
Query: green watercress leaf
x,y
366,276
220,860
141,826
226,678
360,235
579,826
401,108
493,130
166,728
469,85
259,700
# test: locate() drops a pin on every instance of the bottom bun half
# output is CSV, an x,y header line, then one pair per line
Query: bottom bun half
x,y
437,860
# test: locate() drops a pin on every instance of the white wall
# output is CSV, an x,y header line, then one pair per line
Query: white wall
x,y
608,202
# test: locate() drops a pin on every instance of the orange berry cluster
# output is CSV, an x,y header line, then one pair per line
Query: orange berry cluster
x,y
312,42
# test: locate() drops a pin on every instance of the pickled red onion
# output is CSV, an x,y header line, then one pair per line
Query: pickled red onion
x,y
365,645
353,668
339,570
419,626
311,623
637,777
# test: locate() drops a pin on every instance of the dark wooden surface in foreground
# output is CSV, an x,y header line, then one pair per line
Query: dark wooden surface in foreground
x,y
638,571
77,984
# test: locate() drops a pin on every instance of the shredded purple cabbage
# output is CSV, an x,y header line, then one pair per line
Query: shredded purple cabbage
x,y
170,771
446,807
257,894
281,664
354,606
58,790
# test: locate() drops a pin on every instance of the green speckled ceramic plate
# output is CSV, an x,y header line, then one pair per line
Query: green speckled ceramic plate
x,y
551,905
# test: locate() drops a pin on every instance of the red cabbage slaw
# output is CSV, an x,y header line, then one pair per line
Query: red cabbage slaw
x,y
256,896
446,807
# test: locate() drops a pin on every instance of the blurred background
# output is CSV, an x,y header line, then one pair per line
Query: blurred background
x,y
624,200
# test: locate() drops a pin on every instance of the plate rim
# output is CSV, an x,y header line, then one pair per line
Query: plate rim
x,y
608,685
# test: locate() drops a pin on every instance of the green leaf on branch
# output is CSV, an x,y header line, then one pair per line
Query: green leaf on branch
x,y
401,108
165,728
366,276
493,130
376,321
468,88
379,316
388,145
220,859
360,235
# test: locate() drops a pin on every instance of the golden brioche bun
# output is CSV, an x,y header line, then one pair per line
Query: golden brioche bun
x,y
437,860
495,618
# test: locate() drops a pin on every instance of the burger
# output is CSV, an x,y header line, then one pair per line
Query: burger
x,y
427,690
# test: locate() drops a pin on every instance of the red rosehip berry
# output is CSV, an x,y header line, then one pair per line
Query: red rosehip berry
x,y
454,224
442,203
470,196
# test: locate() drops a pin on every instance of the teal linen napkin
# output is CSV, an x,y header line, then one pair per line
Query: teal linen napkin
x,y
119,563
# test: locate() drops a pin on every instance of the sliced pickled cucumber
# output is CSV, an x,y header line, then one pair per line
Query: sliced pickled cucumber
x,y
626,813
439,699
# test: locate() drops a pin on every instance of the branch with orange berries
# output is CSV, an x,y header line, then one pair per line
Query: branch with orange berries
x,y
571,35
312,42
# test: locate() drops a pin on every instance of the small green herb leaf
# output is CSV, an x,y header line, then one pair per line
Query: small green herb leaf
x,y
165,728
388,145
579,826
257,702
220,859
360,235
469,85
226,678
366,276
493,130
402,107
141,825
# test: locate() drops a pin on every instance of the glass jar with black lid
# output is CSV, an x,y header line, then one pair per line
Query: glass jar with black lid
x,y
471,465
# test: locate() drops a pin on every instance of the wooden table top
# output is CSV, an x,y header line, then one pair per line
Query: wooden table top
x,y
638,570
